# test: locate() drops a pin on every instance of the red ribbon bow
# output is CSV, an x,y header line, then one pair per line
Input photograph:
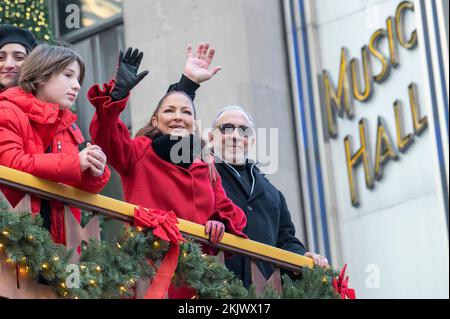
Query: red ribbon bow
x,y
341,286
165,227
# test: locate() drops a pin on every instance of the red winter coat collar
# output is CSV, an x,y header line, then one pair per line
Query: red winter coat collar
x,y
38,111
47,118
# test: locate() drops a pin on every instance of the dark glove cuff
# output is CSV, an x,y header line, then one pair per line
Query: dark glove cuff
x,y
116,95
187,85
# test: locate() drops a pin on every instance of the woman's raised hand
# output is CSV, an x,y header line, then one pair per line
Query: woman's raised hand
x,y
127,76
197,67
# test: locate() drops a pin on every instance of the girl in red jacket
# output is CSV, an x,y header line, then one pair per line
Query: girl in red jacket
x,y
38,134
162,167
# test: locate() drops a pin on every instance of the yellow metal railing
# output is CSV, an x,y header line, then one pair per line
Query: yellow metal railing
x,y
124,211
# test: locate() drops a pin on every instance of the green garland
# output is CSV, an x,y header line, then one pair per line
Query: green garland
x,y
28,14
111,269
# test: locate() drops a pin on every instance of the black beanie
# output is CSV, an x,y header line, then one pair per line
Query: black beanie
x,y
12,34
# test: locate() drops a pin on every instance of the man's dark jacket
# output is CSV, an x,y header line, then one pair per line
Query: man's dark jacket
x,y
268,218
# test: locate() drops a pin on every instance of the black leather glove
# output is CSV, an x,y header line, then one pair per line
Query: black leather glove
x,y
126,74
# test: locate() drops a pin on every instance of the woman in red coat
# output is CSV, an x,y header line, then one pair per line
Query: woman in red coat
x,y
150,177
38,134
162,168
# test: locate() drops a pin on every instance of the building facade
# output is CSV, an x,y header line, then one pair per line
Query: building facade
x,y
370,80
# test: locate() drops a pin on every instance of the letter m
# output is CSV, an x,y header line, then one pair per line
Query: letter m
x,y
336,100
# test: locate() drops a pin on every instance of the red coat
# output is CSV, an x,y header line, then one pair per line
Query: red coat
x,y
153,182
28,127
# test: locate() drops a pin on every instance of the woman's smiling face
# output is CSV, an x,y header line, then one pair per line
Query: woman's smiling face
x,y
12,55
175,116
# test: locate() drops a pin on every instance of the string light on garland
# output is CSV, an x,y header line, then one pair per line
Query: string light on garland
x,y
32,15
24,270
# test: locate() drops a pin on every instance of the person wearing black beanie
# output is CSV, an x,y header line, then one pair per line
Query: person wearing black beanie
x,y
15,45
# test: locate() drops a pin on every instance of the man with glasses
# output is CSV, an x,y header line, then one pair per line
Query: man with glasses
x,y
268,218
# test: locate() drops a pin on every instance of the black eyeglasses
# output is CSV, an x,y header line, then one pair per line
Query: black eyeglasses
x,y
228,129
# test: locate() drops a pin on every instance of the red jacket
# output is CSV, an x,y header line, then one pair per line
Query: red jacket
x,y
153,182
28,127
